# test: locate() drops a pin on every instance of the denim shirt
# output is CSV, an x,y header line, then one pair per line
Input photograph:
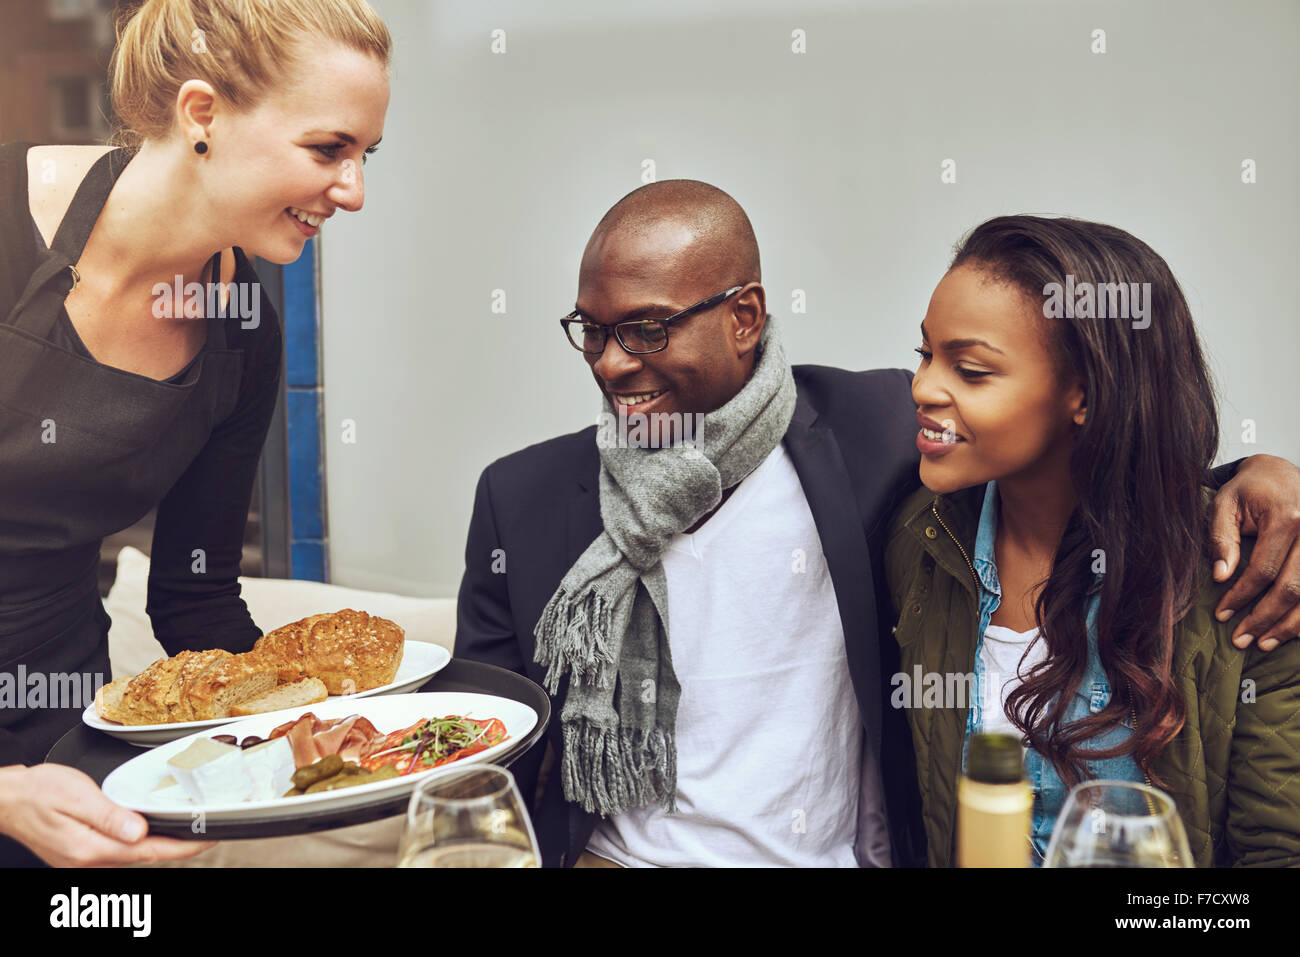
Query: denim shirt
x,y
1092,695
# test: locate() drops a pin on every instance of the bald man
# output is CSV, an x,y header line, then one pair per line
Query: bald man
x,y
762,738
707,607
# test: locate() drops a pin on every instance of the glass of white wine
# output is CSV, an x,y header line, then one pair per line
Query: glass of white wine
x,y
468,817
1118,824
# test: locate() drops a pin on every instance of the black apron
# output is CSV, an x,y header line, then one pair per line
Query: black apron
x,y
86,450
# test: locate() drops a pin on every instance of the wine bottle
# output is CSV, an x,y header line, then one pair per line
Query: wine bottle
x,y
994,803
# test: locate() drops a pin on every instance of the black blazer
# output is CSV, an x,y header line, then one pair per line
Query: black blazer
x,y
852,442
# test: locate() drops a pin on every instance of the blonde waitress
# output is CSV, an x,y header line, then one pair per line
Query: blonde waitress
x,y
246,123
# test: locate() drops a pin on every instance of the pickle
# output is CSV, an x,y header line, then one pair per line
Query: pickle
x,y
326,784
346,775
351,778
326,767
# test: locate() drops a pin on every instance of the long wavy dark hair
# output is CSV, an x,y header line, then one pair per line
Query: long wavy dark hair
x,y
1138,466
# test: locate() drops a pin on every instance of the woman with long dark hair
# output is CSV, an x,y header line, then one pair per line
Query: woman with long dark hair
x,y
1056,554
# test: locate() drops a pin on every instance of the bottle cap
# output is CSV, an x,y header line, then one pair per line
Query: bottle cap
x,y
995,759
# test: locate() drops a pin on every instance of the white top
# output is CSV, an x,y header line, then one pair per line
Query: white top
x,y
1001,654
769,739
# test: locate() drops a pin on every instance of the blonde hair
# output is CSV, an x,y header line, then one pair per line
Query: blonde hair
x,y
237,46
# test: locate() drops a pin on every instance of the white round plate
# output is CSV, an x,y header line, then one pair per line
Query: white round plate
x,y
421,660
132,784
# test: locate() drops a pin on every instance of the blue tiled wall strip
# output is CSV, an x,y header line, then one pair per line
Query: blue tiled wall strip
x,y
305,405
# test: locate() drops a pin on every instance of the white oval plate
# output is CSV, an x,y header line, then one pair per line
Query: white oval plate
x,y
132,784
421,660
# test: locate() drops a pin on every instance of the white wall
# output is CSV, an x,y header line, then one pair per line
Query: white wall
x,y
495,168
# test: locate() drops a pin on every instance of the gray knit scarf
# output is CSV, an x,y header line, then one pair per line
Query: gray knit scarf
x,y
606,626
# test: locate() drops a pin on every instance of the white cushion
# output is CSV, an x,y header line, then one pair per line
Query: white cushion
x,y
271,601
274,602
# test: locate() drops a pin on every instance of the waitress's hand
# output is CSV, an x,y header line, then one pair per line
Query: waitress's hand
x,y
64,818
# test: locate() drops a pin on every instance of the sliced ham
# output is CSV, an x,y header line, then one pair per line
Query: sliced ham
x,y
311,739
348,739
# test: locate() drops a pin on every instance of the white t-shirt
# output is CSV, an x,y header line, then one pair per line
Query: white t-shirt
x,y
1001,655
769,739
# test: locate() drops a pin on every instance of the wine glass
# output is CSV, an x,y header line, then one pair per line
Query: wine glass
x,y
1118,824
468,817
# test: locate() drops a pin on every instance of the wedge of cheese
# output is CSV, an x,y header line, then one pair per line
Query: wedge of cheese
x,y
270,767
212,773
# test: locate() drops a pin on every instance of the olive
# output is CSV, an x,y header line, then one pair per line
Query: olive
x,y
225,738
251,740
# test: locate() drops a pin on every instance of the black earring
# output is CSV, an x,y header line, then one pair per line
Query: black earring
x,y
201,147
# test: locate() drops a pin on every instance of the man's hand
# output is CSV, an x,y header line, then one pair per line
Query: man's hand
x,y
64,819
1264,500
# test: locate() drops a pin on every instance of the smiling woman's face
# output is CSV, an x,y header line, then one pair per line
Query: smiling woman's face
x,y
988,386
301,147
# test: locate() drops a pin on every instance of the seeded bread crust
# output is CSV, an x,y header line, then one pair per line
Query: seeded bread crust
x,y
352,651
135,701
180,707
284,647
153,707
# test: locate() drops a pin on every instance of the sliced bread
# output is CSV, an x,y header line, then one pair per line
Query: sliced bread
x,y
135,700
154,693
179,707
304,691
108,700
229,682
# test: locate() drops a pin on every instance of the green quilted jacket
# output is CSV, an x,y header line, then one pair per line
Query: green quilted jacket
x,y
1234,769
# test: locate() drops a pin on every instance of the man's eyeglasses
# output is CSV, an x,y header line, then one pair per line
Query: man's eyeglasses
x,y
637,336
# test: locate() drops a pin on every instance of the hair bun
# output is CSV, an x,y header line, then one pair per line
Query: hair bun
x,y
156,51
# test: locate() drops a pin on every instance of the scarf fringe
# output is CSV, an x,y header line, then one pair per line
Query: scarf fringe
x,y
608,770
573,636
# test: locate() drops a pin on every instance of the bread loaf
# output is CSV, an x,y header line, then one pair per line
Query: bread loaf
x,y
352,651
300,663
